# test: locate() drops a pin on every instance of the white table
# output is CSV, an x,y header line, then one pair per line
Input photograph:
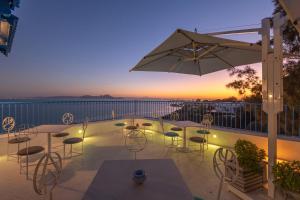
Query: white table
x,y
113,181
184,125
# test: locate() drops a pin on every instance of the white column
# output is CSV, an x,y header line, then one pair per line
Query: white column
x,y
272,88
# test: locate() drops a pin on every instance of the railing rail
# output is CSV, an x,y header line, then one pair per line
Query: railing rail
x,y
234,115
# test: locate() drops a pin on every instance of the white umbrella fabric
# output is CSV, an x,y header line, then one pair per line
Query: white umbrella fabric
x,y
292,8
198,54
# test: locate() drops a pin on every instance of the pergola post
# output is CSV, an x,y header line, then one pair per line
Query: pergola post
x,y
272,88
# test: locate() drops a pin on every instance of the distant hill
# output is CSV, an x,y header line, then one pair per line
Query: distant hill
x,y
106,96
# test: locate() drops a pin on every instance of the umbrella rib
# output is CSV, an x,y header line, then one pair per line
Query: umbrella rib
x,y
239,48
207,51
216,51
185,35
226,62
169,54
169,51
174,66
199,68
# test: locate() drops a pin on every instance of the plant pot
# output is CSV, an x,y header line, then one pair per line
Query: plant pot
x,y
139,176
246,180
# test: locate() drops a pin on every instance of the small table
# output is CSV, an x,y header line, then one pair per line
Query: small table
x,y
41,181
113,181
184,125
49,129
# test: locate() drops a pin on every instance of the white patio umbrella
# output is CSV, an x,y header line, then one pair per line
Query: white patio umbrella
x,y
193,53
292,7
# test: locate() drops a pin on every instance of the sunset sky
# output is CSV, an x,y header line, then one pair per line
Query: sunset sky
x,y
78,47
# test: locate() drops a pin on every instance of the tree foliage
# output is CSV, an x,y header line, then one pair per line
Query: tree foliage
x,y
247,82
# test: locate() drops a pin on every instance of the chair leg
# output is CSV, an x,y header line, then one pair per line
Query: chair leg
x,y
71,150
220,188
64,151
27,166
21,165
18,151
206,141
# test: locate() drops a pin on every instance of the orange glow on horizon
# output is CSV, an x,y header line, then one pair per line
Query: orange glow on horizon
x,y
159,85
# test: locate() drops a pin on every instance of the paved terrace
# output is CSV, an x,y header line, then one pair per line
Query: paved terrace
x,y
104,142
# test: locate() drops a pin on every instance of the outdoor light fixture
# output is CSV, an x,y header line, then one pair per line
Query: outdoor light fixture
x,y
214,136
80,131
8,24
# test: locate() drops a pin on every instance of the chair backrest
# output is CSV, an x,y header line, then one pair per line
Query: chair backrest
x,y
113,115
225,166
67,118
225,158
174,116
84,126
161,124
207,120
130,119
8,125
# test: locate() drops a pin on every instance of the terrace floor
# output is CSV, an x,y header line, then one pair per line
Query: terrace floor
x,y
104,142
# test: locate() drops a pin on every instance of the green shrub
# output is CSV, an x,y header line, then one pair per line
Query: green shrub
x,y
287,175
249,156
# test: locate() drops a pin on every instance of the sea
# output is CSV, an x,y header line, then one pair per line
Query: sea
x,y
39,111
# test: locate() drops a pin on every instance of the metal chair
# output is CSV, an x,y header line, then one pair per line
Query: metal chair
x,y
26,152
8,125
76,140
175,117
136,141
121,125
225,166
21,136
199,140
205,127
173,135
147,124
14,136
67,119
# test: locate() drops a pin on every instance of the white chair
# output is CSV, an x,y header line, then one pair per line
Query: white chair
x,y
170,134
205,127
225,166
75,140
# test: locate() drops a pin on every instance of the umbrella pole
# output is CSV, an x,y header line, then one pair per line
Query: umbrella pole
x,y
272,88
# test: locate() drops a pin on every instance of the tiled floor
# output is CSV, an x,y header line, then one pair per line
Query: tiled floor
x,y
104,141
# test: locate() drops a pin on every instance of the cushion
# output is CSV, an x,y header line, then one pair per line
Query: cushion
x,y
120,124
171,134
30,150
60,135
131,127
147,124
72,140
176,129
203,132
198,139
18,140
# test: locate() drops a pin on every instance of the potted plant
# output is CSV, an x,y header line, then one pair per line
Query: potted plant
x,y
287,177
251,171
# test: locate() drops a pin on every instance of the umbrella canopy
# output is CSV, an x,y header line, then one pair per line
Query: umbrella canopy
x,y
292,8
193,53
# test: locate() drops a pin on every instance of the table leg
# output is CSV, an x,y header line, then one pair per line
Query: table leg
x,y
184,148
184,137
49,143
